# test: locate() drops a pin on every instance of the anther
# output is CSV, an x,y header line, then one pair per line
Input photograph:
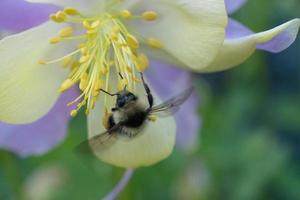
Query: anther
x,y
55,40
154,43
66,85
61,16
71,11
84,58
73,113
83,84
95,24
142,62
122,84
55,19
42,62
66,32
86,24
126,14
132,41
149,15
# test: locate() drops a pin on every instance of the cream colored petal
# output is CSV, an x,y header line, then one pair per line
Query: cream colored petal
x,y
154,144
191,31
27,89
237,50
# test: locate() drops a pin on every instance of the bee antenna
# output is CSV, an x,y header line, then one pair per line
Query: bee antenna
x,y
110,94
121,75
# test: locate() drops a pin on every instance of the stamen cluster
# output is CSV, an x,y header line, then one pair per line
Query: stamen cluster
x,y
104,42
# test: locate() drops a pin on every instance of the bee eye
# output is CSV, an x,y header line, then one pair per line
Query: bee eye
x,y
121,102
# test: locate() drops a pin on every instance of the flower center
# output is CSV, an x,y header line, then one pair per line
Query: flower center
x,y
104,42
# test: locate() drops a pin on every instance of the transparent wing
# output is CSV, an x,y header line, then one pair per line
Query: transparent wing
x,y
172,105
98,142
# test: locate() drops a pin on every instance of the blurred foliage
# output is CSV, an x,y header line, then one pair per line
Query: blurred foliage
x,y
249,146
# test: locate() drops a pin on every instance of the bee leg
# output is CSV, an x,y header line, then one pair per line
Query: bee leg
x,y
148,91
110,94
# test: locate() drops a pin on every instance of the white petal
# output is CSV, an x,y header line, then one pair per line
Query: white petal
x,y
191,31
27,89
84,6
237,50
154,144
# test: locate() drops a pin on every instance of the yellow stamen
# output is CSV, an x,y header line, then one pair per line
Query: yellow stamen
x,y
66,32
105,48
95,24
132,41
126,14
142,62
149,15
71,11
84,59
154,43
55,40
73,113
66,85
61,16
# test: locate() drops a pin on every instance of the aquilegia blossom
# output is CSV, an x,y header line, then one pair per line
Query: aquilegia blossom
x,y
97,39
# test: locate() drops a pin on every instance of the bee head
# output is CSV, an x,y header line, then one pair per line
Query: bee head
x,y
124,98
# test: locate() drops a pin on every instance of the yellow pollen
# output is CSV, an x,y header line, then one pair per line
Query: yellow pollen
x,y
105,49
41,62
66,85
142,62
152,118
132,41
95,24
105,119
60,16
71,11
55,40
67,61
86,24
122,84
84,59
73,113
126,14
149,15
154,43
66,32
83,84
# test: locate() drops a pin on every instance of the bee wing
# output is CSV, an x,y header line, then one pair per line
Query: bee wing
x,y
102,140
170,106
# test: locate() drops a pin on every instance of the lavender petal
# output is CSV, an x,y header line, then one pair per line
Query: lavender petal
x,y
41,136
233,5
168,81
280,42
19,15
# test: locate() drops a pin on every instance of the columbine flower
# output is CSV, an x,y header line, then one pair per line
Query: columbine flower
x,y
34,67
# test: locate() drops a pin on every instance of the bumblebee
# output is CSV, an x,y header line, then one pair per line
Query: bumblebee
x,y
130,116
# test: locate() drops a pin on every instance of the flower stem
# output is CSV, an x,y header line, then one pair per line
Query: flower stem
x,y
120,186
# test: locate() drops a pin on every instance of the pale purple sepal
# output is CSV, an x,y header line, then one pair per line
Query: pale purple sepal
x,y
168,81
279,43
236,30
41,136
233,5
120,186
18,15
